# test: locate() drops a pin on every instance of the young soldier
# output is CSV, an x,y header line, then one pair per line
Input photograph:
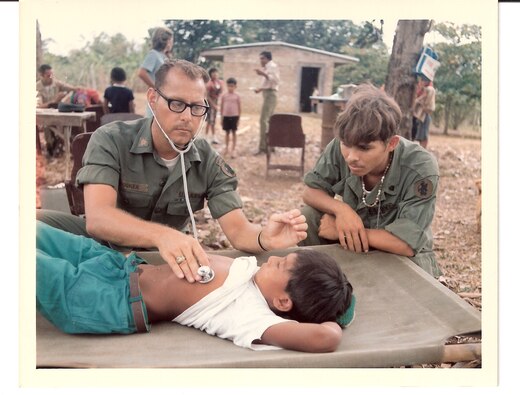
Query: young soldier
x,y
387,185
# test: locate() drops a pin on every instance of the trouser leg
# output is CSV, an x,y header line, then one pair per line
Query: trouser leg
x,y
71,247
270,99
66,222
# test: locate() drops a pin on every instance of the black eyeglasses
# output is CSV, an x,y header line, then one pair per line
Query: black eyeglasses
x,y
178,106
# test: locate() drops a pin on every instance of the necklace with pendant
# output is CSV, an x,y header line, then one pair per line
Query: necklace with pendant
x,y
380,188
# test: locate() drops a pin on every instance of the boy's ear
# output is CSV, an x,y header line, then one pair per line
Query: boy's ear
x,y
283,303
394,140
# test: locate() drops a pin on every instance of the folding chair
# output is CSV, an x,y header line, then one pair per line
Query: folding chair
x,y
285,130
119,116
74,194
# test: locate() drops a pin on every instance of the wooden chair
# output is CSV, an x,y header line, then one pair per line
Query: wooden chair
x,y
119,116
74,194
285,130
93,125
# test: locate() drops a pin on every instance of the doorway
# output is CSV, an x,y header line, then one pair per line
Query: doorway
x,y
310,78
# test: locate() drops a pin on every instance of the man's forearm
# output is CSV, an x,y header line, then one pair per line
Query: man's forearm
x,y
383,240
321,201
122,228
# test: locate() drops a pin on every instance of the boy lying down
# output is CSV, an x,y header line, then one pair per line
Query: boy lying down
x,y
298,302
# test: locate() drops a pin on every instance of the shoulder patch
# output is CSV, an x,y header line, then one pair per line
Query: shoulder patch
x,y
423,188
226,169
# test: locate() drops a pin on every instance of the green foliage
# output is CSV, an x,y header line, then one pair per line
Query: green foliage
x,y
193,36
90,66
372,67
458,79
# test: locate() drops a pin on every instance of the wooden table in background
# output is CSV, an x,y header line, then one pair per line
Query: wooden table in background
x,y
64,121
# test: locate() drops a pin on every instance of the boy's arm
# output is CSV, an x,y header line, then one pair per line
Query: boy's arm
x,y
304,337
131,106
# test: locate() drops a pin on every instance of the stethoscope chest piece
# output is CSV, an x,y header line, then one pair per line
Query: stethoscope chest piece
x,y
206,273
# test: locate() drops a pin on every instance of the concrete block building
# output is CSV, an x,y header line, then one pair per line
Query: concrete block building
x,y
301,69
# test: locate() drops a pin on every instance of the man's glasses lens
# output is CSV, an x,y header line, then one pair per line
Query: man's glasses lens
x,y
196,110
180,106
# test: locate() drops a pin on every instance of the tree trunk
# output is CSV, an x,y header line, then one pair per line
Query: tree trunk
x,y
447,110
400,80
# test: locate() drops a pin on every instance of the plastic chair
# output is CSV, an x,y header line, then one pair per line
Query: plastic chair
x,y
74,194
119,116
285,130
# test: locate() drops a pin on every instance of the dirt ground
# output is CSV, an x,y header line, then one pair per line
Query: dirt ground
x,y
457,239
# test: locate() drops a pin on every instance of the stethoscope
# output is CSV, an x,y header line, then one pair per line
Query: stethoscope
x,y
205,272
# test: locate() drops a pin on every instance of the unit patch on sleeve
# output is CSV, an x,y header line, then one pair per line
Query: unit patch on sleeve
x,y
226,169
423,188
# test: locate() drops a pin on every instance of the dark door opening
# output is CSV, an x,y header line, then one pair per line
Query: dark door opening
x,y
308,83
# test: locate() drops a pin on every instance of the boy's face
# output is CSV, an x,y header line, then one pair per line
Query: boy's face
x,y
368,158
273,276
231,88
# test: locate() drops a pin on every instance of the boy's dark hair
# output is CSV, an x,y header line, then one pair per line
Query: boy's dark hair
x,y
267,55
231,80
319,290
191,70
160,38
118,74
211,71
43,68
370,115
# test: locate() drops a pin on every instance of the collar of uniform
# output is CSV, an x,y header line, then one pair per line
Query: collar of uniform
x,y
393,175
391,179
143,140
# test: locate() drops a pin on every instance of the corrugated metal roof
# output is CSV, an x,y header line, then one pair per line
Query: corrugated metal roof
x,y
281,43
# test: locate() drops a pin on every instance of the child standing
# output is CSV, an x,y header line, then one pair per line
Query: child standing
x,y
118,98
230,111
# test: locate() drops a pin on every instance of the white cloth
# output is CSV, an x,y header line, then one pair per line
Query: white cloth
x,y
236,311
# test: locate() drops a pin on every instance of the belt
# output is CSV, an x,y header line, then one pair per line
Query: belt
x,y
137,303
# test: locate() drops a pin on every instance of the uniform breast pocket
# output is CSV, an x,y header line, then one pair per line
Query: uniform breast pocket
x,y
136,203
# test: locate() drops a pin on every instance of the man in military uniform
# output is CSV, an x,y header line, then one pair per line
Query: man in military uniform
x,y
134,190
386,185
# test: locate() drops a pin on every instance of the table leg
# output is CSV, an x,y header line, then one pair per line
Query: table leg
x,y
329,114
67,132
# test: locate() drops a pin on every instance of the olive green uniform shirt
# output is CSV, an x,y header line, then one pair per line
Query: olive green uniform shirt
x,y
121,154
407,202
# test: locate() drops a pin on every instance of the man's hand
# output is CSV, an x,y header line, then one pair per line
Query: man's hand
x,y
173,245
284,230
350,230
327,229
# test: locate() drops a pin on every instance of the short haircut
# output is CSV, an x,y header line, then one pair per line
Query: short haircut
x,y
267,55
191,70
370,115
231,80
319,290
118,74
160,38
43,68
212,70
